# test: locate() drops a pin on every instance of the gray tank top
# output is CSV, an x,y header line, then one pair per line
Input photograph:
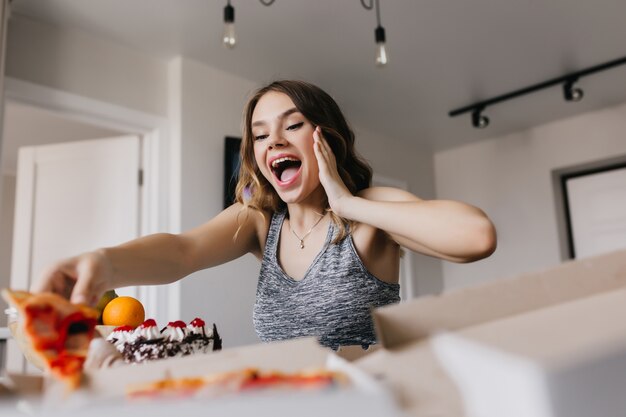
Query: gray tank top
x,y
332,302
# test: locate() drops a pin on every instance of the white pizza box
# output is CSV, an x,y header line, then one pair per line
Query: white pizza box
x,y
103,391
561,361
407,362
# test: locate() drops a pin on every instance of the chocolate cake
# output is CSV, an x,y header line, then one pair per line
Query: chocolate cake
x,y
177,339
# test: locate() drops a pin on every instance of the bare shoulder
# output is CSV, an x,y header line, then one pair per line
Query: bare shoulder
x,y
387,194
262,220
368,236
253,222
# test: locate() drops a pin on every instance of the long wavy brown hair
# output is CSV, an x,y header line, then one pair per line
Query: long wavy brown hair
x,y
254,191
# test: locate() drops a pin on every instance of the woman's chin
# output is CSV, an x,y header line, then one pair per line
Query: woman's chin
x,y
290,197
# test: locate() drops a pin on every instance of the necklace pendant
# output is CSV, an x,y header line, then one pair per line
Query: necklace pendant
x,y
301,244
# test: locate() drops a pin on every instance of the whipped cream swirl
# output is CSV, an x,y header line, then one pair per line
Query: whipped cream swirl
x,y
175,331
198,327
121,336
148,330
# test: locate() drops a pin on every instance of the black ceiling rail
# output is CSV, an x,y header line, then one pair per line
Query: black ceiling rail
x,y
572,77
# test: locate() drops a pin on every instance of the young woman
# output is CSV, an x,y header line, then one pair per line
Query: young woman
x,y
328,242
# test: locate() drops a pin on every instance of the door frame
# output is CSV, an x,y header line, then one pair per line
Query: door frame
x,y
157,209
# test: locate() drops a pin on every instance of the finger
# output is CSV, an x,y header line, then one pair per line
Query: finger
x,y
321,158
81,294
83,291
324,144
317,143
320,143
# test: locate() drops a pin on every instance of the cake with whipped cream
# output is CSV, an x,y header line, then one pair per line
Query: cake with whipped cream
x,y
177,339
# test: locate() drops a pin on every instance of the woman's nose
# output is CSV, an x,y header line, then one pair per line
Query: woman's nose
x,y
276,140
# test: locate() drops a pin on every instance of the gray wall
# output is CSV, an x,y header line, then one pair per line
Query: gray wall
x,y
510,177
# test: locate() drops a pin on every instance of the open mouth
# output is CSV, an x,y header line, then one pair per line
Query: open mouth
x,y
285,168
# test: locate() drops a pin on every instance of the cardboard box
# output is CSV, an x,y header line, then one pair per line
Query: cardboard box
x,y
495,314
567,360
103,392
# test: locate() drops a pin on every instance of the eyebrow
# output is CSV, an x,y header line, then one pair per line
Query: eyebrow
x,y
281,116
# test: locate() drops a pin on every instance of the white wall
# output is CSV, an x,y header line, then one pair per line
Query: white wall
x,y
203,105
209,108
510,178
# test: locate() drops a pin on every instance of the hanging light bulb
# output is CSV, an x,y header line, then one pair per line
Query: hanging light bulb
x,y
381,52
379,32
229,39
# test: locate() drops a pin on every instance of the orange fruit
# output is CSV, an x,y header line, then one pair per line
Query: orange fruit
x,y
123,311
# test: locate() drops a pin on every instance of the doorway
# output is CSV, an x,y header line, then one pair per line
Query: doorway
x,y
26,125
71,118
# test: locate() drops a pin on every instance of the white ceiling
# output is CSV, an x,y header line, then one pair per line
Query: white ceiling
x,y
443,53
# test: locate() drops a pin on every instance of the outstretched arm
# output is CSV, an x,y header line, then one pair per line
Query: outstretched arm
x,y
445,229
155,259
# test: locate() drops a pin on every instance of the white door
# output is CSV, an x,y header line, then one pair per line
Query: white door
x,y
597,205
71,198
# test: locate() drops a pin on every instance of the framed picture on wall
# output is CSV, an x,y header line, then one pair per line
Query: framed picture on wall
x,y
594,208
232,162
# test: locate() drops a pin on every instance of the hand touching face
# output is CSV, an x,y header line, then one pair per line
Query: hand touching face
x,y
335,188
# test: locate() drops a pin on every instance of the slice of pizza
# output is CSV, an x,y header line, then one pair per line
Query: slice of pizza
x,y
56,331
233,382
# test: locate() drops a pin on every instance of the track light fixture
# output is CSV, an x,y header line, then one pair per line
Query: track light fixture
x,y
379,34
570,92
479,120
229,39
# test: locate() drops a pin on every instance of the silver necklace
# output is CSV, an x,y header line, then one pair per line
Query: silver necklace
x,y
301,239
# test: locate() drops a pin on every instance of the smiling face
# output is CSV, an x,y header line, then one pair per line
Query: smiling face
x,y
283,147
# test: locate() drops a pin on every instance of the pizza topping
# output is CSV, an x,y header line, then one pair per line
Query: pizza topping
x,y
58,332
250,379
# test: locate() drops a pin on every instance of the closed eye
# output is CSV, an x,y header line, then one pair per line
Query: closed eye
x,y
261,137
296,126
